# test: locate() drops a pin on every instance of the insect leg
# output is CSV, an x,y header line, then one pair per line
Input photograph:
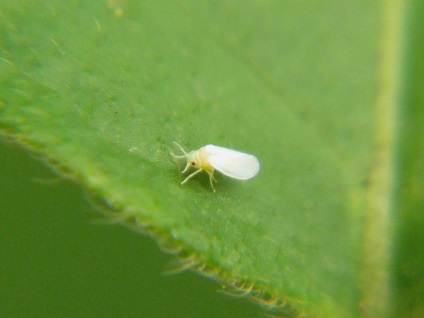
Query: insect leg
x,y
186,167
211,179
191,176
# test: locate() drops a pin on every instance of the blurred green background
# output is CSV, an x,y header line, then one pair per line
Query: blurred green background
x,y
56,260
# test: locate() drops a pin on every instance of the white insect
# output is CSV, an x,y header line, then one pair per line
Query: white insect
x,y
232,163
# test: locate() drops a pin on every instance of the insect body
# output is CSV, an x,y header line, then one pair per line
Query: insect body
x,y
232,163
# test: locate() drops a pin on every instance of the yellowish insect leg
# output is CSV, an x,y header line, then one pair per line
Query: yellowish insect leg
x,y
191,176
211,179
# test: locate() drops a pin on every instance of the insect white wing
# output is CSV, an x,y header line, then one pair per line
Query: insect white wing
x,y
232,163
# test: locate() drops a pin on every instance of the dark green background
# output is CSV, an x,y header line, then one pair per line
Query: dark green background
x,y
57,261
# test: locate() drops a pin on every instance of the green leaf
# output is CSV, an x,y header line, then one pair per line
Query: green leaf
x,y
408,265
52,253
102,88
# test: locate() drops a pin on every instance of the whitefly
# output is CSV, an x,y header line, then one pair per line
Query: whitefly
x,y
232,163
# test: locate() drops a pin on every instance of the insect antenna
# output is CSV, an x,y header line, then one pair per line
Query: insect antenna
x,y
179,157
